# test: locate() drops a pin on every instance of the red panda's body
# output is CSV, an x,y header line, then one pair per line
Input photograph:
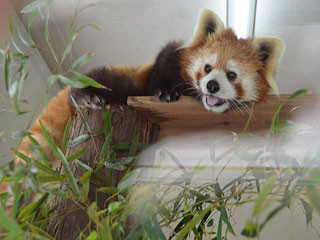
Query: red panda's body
x,y
216,67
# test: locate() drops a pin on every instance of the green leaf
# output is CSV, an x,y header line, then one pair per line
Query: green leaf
x,y
250,229
81,61
8,222
225,218
20,134
31,208
68,173
65,136
297,94
7,64
119,164
85,190
50,140
65,80
35,6
80,139
85,177
76,154
10,24
86,80
92,236
113,206
37,145
45,168
46,28
191,224
105,229
290,126
92,212
81,116
308,210
109,190
314,197
66,52
129,179
266,189
84,167
248,122
219,232
134,145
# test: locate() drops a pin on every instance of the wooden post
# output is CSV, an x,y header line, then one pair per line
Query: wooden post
x,y
124,120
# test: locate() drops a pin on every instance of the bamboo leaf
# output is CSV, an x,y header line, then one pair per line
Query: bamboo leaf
x,y
266,189
86,80
114,206
225,218
219,232
8,222
85,190
76,154
65,136
84,167
92,236
20,134
109,190
46,28
297,94
7,63
81,61
36,144
80,139
195,220
250,230
50,140
308,210
314,197
81,116
69,174
35,6
129,179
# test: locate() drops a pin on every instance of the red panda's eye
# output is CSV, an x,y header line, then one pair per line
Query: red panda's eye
x,y
207,68
231,76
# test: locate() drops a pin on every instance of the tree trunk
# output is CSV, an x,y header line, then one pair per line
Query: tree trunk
x,y
125,120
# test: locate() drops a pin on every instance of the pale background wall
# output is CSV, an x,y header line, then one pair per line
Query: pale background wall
x,y
33,91
133,31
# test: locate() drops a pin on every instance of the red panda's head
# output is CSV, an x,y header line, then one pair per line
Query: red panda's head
x,y
226,71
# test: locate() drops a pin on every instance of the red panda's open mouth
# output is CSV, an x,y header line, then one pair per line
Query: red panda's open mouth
x,y
214,101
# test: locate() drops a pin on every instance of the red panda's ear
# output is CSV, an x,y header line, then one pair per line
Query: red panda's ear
x,y
208,23
270,51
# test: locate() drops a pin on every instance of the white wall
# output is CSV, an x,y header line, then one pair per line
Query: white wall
x,y
33,90
298,24
132,31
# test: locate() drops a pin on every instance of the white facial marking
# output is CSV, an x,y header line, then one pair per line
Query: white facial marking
x,y
247,82
226,91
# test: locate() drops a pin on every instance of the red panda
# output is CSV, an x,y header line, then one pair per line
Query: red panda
x,y
216,67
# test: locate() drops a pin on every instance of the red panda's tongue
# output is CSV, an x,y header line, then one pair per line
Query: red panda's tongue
x,y
211,100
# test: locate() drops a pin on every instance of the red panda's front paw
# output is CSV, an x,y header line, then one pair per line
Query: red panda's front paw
x,y
167,95
86,98
94,102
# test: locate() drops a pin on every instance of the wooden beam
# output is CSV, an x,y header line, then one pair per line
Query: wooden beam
x,y
187,115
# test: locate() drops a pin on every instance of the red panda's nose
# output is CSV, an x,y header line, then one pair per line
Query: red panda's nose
x,y
213,86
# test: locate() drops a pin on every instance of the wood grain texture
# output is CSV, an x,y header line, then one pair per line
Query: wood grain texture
x,y
124,121
187,115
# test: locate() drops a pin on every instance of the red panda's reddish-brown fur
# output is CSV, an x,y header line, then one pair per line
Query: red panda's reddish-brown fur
x,y
227,46
210,36
55,116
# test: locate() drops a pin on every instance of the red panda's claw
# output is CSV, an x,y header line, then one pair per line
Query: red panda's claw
x,y
94,102
168,96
